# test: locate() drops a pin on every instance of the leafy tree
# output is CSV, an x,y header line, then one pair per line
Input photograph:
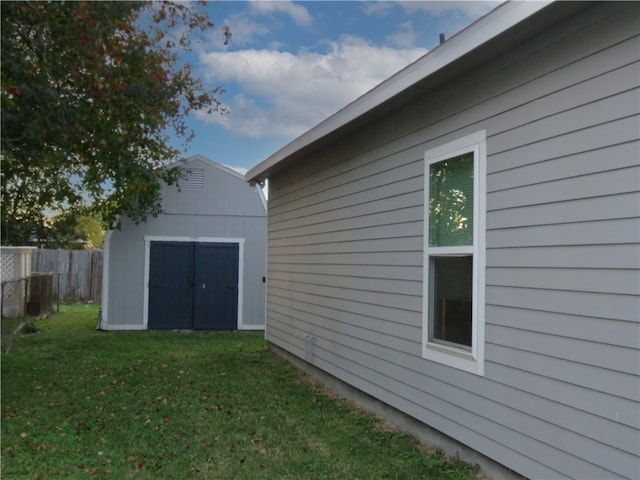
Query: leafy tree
x,y
89,228
90,92
63,232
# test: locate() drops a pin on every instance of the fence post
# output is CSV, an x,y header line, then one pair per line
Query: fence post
x,y
91,292
58,299
25,300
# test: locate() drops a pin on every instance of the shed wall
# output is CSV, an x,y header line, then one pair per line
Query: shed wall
x,y
560,394
244,217
224,194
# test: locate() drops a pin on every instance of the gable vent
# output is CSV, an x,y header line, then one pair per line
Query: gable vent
x,y
195,179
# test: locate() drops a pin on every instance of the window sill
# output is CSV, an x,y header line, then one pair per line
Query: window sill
x,y
453,357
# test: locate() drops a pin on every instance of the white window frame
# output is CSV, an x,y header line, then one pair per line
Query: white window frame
x,y
470,360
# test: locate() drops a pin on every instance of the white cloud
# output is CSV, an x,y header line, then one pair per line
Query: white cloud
x,y
378,8
469,8
246,27
452,15
299,14
405,38
285,94
244,30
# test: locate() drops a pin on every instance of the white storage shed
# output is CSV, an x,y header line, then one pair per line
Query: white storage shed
x,y
200,265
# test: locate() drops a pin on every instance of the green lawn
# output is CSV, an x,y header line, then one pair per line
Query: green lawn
x,y
78,403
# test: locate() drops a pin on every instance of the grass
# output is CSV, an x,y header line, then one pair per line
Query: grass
x,y
8,325
79,403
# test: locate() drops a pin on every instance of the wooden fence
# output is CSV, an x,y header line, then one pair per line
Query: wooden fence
x,y
77,274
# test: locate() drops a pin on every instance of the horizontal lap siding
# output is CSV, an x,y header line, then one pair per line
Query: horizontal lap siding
x,y
560,391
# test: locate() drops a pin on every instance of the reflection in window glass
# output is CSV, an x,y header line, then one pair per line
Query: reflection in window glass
x,y
451,202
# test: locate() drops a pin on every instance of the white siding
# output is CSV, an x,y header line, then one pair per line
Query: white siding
x,y
561,391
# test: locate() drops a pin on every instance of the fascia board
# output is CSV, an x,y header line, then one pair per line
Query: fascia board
x,y
499,20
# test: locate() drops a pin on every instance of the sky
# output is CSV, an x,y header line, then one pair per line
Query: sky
x,y
290,65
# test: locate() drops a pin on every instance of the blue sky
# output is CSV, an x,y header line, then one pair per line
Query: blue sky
x,y
290,65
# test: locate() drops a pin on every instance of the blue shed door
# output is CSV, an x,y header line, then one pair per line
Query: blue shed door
x,y
216,286
193,286
170,285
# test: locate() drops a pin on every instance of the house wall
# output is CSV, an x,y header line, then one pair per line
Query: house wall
x,y
560,392
227,208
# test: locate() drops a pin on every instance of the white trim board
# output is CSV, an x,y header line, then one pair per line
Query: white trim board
x,y
103,319
472,361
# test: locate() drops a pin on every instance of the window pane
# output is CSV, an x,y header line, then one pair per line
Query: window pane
x,y
451,297
451,202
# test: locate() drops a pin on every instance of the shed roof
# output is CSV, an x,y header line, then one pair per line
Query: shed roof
x,y
507,25
201,158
